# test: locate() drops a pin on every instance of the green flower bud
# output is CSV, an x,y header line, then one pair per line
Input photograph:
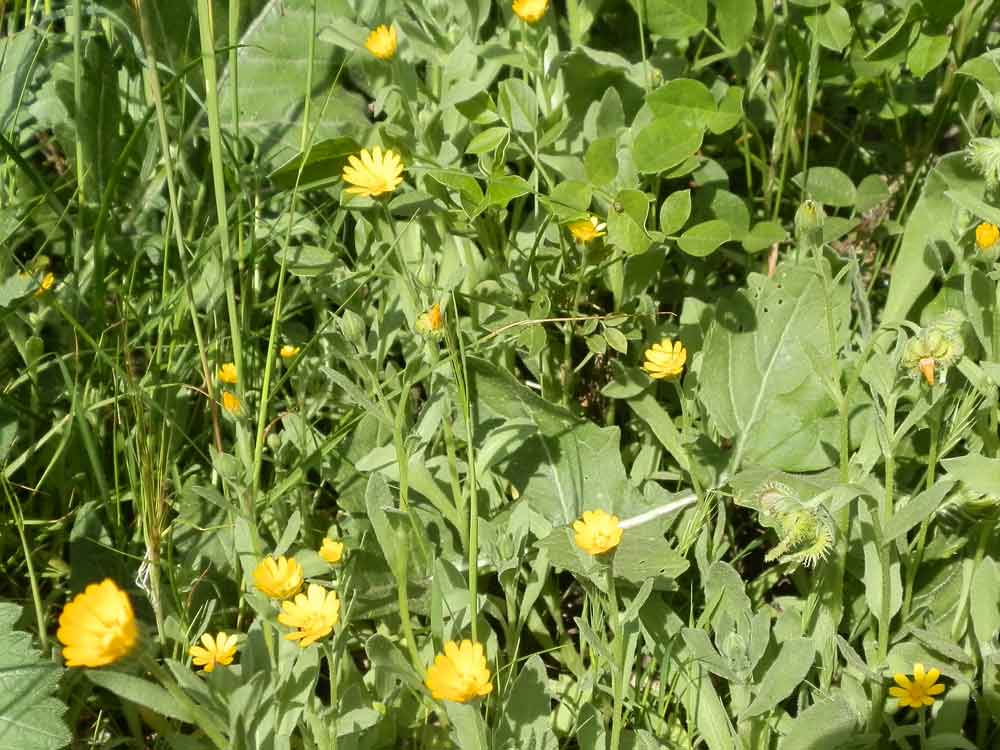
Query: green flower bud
x,y
809,220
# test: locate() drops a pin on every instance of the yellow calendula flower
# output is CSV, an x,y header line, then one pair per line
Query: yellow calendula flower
x,y
288,351
46,283
530,10
278,577
227,373
230,402
597,532
986,235
382,42
587,230
665,360
213,651
313,614
331,551
919,691
98,627
430,323
460,674
373,173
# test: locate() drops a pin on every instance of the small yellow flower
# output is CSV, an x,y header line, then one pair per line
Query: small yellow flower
x,y
597,532
431,322
219,650
530,10
382,42
230,402
98,627
227,373
665,360
986,235
331,551
46,283
586,230
920,691
278,577
460,673
373,173
288,351
313,614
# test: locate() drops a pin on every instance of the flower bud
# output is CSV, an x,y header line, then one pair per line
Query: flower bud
x,y
809,220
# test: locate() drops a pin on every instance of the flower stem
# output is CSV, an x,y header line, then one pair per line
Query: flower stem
x,y
200,717
618,670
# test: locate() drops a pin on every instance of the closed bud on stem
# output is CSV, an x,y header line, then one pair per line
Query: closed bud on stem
x,y
809,220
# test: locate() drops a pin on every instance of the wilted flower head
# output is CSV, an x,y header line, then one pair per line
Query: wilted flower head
x,y
382,42
373,173
431,322
313,614
98,627
460,674
665,360
218,650
937,346
278,577
530,10
597,531
586,230
986,235
230,402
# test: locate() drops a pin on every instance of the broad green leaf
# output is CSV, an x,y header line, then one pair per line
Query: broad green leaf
x,y
526,717
787,672
826,724
676,19
502,190
705,238
601,160
467,185
323,164
675,211
385,656
664,144
648,409
683,101
30,715
978,473
701,648
763,235
827,185
872,190
735,19
985,69
517,105
17,55
142,692
916,510
379,499
643,554
874,576
569,199
832,28
927,53
487,140
627,222
730,111
984,600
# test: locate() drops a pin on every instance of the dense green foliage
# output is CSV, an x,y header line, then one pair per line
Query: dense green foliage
x,y
446,376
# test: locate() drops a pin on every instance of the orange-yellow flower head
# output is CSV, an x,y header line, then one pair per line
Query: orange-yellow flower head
x,y
313,614
986,235
230,402
227,373
460,674
382,42
530,10
213,651
920,691
587,230
289,351
46,282
431,322
331,551
597,532
373,173
98,627
665,360
278,577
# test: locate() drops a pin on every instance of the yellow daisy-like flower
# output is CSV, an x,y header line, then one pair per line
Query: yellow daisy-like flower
x,y
288,351
530,10
313,614
49,279
98,627
431,322
986,235
373,173
278,577
331,551
219,650
227,373
586,230
597,532
460,674
230,402
382,42
920,691
665,360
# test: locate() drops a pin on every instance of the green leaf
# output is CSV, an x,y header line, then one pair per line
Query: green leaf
x,y
675,211
825,724
502,190
526,716
683,101
730,111
763,235
379,498
978,473
643,554
17,51
828,185
29,714
141,692
569,199
517,105
984,600
386,657
466,185
323,164
833,28
487,140
872,190
676,19
616,340
627,222
648,409
664,144
735,19
601,160
927,53
874,576
985,70
916,510
705,238
787,672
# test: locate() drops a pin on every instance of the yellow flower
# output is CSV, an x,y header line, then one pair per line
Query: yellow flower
x,y
288,351
920,691
98,626
431,322
218,650
230,402
227,373
530,10
278,577
460,673
50,278
382,42
665,361
331,551
986,236
586,230
373,173
597,532
313,614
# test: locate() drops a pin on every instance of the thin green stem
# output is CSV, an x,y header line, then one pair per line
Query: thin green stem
x,y
36,595
618,677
